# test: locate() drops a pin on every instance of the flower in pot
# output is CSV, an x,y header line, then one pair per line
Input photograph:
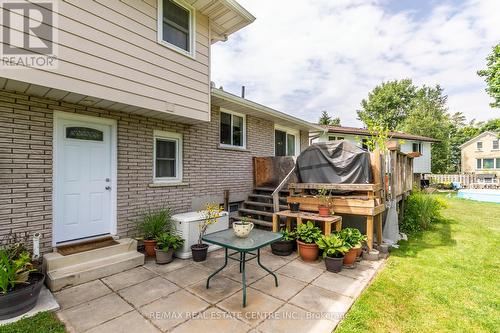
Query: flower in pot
x,y
307,234
242,227
354,239
334,249
166,245
152,225
284,247
324,207
211,213
20,284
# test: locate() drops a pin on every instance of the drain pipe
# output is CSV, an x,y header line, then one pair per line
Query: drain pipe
x,y
226,200
36,245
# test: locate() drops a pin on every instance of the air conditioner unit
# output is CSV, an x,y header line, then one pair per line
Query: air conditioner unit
x,y
187,228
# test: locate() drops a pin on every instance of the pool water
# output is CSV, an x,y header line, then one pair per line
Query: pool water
x,y
480,195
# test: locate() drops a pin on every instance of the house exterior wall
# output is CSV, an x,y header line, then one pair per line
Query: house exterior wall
x,y
470,154
26,134
109,50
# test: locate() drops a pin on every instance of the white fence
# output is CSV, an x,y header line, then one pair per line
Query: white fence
x,y
465,180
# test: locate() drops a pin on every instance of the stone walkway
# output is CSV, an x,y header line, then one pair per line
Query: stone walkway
x,y
173,297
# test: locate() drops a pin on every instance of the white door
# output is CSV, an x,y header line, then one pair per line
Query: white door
x,y
83,184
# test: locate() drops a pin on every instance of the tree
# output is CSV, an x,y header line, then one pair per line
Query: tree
x,y
388,104
326,119
492,76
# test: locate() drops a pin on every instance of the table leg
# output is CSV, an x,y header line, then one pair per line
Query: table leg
x,y
369,232
379,229
241,260
217,271
338,225
266,269
328,228
244,280
276,220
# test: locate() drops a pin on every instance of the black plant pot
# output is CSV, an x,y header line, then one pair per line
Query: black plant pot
x,y
23,298
199,252
282,247
334,264
294,206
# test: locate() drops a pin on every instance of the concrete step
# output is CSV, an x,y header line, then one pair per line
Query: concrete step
x,y
244,211
93,270
55,260
263,204
257,222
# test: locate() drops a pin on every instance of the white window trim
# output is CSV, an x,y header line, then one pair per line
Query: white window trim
x,y
178,158
192,28
288,130
420,146
244,139
493,146
477,146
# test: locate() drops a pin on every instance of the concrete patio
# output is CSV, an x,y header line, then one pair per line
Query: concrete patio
x,y
173,297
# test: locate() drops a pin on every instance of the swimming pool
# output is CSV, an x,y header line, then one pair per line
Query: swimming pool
x,y
480,195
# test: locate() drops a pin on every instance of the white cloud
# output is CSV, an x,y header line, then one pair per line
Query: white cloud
x,y
302,57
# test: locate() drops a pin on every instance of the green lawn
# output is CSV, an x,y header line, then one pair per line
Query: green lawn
x,y
442,280
45,322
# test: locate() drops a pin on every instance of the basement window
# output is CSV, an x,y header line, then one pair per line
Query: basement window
x,y
176,25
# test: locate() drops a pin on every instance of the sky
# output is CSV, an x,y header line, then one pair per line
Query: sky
x,y
305,56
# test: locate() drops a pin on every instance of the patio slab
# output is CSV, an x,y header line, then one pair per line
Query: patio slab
x,y
129,322
128,278
341,284
148,291
300,270
213,320
316,299
70,297
252,273
188,275
287,287
164,269
220,287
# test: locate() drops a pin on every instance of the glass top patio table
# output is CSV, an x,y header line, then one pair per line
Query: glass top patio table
x,y
257,239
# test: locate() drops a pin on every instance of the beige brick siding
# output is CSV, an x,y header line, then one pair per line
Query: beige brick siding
x,y
26,124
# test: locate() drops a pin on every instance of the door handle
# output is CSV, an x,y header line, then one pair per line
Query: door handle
x,y
107,188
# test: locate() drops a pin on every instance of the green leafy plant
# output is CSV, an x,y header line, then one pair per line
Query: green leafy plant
x,y
353,237
333,246
308,233
166,241
421,211
13,270
288,235
155,222
244,220
211,213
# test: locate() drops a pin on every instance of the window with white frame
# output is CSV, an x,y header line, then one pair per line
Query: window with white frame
x,y
167,156
479,145
232,129
286,142
487,163
176,25
495,144
417,147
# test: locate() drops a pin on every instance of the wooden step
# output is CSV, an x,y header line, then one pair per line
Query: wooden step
x,y
270,189
263,204
265,196
256,222
244,211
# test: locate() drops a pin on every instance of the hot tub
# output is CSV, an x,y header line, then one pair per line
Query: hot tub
x,y
480,195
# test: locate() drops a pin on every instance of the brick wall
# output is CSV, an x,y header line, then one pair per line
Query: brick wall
x,y
26,124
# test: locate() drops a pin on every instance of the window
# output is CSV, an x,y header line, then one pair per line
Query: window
x,y
176,25
479,164
285,142
495,144
167,157
333,138
497,166
417,147
488,163
479,145
232,129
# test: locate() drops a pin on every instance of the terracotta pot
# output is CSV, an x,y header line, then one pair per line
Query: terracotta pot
x,y
359,253
350,257
294,206
333,264
308,252
324,211
149,247
199,252
282,248
164,257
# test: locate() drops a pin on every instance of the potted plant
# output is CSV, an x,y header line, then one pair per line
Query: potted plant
x,y
152,225
354,239
334,248
166,245
20,283
284,247
307,234
242,227
211,213
324,207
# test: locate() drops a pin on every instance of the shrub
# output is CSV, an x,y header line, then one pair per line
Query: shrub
x,y
155,222
353,237
166,241
421,210
333,246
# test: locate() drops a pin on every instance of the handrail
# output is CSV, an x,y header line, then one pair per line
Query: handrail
x,y
276,192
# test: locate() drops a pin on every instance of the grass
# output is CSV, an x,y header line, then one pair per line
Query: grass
x,y
45,322
442,280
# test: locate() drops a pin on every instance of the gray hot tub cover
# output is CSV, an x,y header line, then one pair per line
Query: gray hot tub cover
x,y
337,162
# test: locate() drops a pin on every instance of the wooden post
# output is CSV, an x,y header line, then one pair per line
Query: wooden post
x,y
379,228
369,232
338,225
276,220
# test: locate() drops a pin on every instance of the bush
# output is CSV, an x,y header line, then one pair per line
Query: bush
x,y
421,211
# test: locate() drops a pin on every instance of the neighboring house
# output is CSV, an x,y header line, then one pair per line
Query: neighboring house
x,y
129,121
481,154
419,146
